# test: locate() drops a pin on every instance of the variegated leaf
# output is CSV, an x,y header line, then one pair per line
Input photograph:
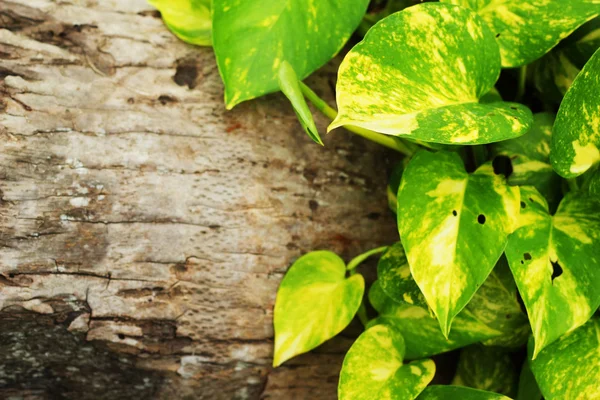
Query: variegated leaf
x,y
556,263
420,73
521,26
496,305
253,37
554,73
486,368
289,85
482,320
374,368
576,134
439,392
454,227
393,274
189,20
570,367
314,303
594,184
420,330
530,159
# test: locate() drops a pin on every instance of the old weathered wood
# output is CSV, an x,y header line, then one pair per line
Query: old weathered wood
x,y
143,228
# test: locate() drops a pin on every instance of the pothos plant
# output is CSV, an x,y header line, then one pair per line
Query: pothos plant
x,y
498,209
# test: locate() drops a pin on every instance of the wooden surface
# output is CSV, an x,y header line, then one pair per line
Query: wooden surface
x,y
143,228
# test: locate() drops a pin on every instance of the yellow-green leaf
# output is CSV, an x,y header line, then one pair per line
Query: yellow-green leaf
x,y
454,227
421,72
556,263
486,368
288,83
393,274
554,73
528,29
314,303
570,367
188,19
576,135
374,368
439,392
252,37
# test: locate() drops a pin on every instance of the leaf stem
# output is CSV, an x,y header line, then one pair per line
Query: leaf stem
x,y
573,185
356,261
362,314
522,83
391,142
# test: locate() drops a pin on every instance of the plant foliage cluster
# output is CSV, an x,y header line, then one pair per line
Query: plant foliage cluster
x,y
498,209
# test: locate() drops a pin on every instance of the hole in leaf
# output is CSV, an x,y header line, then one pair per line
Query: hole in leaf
x,y
556,270
531,200
502,165
481,219
527,256
523,205
513,108
454,213
497,35
522,262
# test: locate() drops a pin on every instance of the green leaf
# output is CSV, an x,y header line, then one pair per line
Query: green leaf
x,y
576,135
454,227
522,28
569,368
486,368
421,331
528,387
439,392
374,368
420,73
555,72
314,303
288,83
530,159
394,276
252,38
496,305
189,20
594,184
556,263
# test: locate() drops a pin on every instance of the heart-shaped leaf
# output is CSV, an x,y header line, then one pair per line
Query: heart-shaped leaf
x,y
393,274
420,73
314,303
576,135
374,368
454,227
252,38
570,367
289,85
486,368
528,159
439,392
521,26
556,263
188,19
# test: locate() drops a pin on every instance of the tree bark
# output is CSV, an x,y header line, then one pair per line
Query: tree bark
x,y
144,229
